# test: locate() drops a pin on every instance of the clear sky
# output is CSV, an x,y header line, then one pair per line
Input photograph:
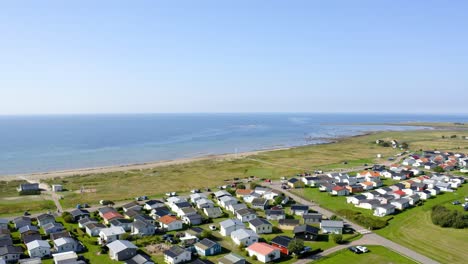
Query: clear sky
x,y
233,56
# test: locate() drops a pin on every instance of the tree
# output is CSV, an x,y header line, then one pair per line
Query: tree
x,y
253,185
337,238
278,200
240,186
404,145
296,246
205,234
334,217
385,144
439,169
67,217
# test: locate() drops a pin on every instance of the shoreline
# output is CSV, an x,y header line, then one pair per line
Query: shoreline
x,y
37,176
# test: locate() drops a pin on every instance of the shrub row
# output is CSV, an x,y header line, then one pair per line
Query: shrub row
x,y
366,221
444,217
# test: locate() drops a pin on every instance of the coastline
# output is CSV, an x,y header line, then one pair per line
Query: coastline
x,y
37,176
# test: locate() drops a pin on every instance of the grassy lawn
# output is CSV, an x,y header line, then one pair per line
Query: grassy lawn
x,y
377,254
13,203
415,230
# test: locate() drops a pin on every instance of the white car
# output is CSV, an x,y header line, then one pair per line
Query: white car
x,y
363,249
212,227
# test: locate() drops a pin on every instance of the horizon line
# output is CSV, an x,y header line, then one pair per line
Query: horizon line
x,y
224,113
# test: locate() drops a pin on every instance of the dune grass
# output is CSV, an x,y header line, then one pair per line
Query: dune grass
x,y
273,164
13,203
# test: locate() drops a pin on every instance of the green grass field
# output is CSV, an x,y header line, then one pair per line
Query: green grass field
x,y
415,230
376,254
13,203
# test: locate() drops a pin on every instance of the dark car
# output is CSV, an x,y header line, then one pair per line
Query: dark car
x,y
456,202
355,250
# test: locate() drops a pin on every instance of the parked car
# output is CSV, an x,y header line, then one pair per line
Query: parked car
x,y
456,202
362,249
354,250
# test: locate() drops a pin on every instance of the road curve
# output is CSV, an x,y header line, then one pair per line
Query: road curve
x,y
369,238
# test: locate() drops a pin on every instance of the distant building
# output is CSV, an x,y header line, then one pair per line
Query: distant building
x,y
57,187
27,187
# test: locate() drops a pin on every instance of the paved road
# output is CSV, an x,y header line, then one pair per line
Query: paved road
x,y
368,238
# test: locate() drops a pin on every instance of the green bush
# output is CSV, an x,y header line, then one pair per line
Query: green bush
x,y
372,223
444,217
67,217
30,192
296,246
337,238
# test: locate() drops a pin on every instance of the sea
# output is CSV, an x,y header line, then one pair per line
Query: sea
x,y
31,144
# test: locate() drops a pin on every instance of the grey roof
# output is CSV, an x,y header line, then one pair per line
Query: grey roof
x,y
299,207
259,201
231,258
306,229
64,240
288,222
183,204
386,206
120,245
243,233
27,228
275,212
140,224
259,221
92,226
79,212
359,197
120,221
139,259
245,211
281,240
194,217
22,219
10,250
37,243
174,251
206,244
86,220
106,209
312,216
115,230
293,180
31,261
230,222
331,223
45,216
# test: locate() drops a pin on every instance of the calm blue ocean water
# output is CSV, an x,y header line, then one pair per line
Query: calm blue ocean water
x,y
45,143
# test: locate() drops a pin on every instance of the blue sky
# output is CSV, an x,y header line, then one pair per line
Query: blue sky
x,y
233,56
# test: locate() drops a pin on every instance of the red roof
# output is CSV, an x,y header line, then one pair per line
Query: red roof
x,y
243,191
400,192
167,219
111,215
262,248
338,188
